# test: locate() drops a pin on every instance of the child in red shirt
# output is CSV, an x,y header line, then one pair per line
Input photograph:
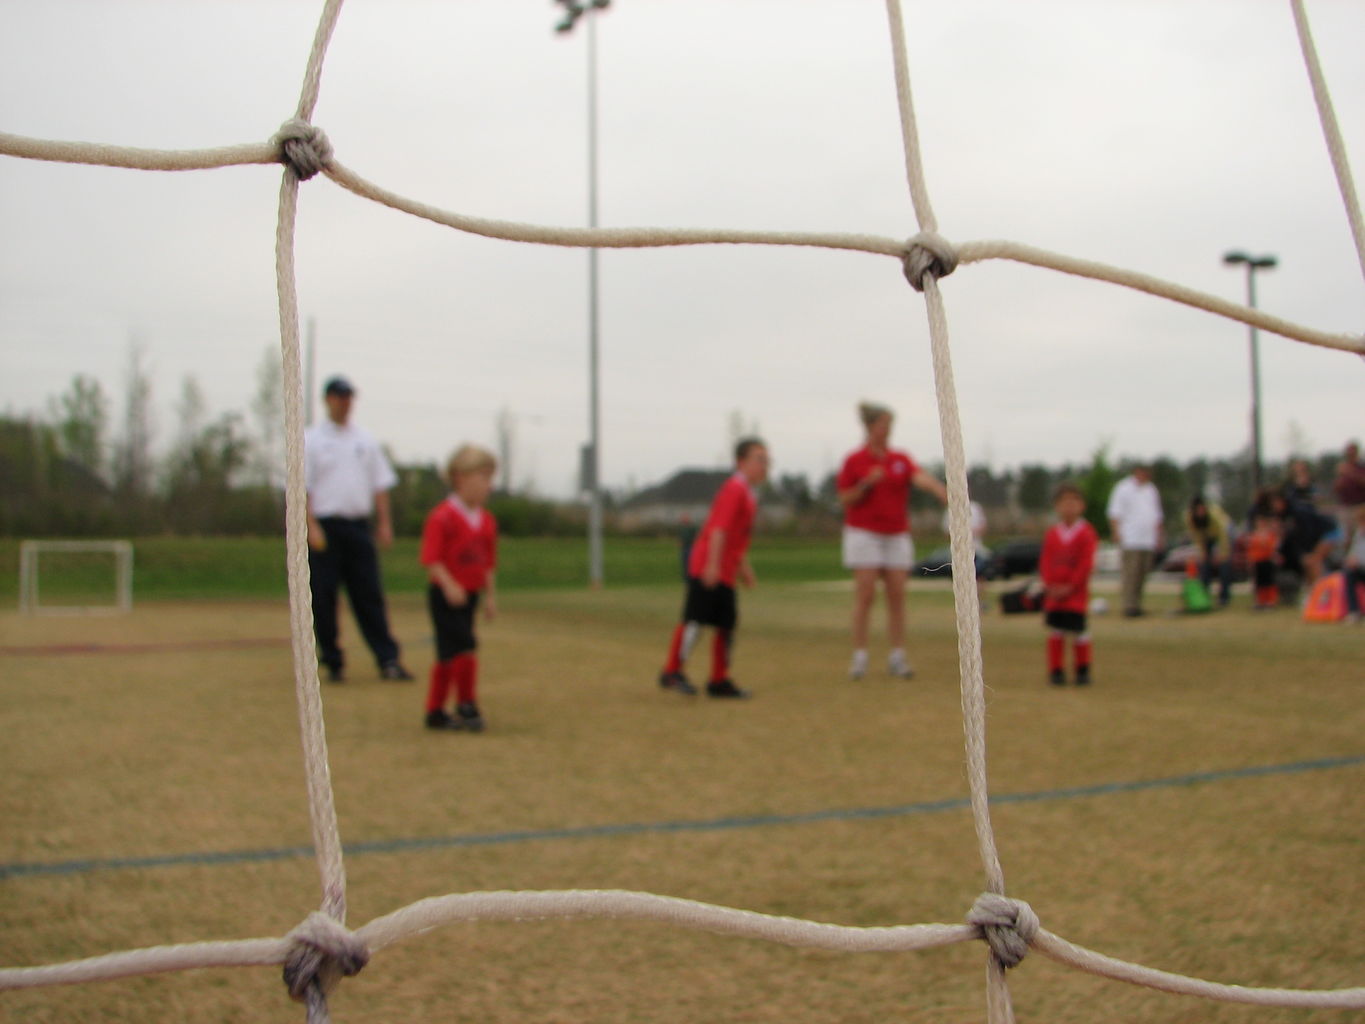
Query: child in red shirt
x,y
1065,564
1263,552
720,556
459,550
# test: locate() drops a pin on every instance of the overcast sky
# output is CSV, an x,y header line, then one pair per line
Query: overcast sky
x,y
1152,134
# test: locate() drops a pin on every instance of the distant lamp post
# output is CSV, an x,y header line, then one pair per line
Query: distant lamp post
x,y
589,471
1253,264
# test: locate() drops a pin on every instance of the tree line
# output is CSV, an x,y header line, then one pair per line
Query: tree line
x,y
73,471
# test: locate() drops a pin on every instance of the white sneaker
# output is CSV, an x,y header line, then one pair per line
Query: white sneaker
x,y
857,668
899,667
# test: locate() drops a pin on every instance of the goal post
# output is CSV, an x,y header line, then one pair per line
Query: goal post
x,y
82,577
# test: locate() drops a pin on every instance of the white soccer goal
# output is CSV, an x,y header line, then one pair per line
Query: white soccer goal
x,y
85,577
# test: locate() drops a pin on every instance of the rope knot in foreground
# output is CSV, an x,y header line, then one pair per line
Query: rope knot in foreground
x,y
304,148
928,253
1007,925
324,951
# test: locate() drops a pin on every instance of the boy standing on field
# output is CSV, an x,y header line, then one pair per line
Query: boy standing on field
x,y
1065,564
720,555
459,550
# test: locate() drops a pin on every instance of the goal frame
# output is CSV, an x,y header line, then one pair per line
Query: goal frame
x,y
30,602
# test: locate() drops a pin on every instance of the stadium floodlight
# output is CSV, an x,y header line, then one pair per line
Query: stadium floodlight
x,y
591,473
1235,257
30,562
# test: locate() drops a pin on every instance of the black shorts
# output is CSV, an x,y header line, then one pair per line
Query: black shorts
x,y
711,606
1067,622
454,624
1265,574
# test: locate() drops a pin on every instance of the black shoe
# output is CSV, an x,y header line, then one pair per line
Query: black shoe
x,y
677,681
468,717
1083,676
1056,678
438,719
393,670
1133,613
336,674
726,688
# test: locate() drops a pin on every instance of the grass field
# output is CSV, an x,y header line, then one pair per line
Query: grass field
x,y
187,747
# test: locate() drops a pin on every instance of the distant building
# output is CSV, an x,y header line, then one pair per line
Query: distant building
x,y
686,497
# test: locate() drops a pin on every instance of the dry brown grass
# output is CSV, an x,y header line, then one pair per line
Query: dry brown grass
x,y
1253,880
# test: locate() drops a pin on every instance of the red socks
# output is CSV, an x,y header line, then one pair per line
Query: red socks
x,y
674,662
439,687
1056,651
1082,651
460,672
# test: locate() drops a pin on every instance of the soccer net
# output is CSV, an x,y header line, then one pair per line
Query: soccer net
x,y
75,577
322,950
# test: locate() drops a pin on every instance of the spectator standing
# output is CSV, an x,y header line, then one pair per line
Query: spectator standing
x,y
1211,533
1064,566
1299,485
719,559
1136,524
1353,568
1348,485
348,479
874,489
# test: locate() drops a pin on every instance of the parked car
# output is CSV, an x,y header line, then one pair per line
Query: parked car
x,y
937,564
1014,558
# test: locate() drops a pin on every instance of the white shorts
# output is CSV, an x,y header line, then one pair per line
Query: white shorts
x,y
864,549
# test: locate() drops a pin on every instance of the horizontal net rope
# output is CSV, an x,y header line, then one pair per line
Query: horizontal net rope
x,y
660,237
611,904
321,950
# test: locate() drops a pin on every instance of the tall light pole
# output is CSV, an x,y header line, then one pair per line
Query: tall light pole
x,y
591,463
1253,264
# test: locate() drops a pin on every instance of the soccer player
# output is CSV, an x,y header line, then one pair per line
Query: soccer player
x,y
459,551
720,556
874,488
1064,566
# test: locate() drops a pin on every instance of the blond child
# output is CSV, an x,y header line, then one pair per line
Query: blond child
x,y
459,551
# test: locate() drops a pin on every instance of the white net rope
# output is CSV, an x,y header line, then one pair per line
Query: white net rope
x,y
321,950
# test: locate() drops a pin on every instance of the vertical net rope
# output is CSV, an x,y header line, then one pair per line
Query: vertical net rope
x,y
321,950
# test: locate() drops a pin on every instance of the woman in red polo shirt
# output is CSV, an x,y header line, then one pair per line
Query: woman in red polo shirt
x,y
874,488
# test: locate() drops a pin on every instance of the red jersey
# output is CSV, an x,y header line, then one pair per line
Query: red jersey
x,y
733,511
884,509
1262,545
1068,557
464,540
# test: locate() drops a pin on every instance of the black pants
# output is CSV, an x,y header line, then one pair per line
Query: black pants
x,y
350,561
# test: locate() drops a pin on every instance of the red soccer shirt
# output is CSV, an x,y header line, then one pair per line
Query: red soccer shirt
x,y
884,509
464,541
733,511
1068,557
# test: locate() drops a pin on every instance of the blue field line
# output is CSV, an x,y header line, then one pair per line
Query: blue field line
x,y
77,867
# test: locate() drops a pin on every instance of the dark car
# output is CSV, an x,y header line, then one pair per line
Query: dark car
x,y
936,564
1014,558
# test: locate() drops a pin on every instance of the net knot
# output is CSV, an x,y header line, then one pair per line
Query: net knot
x,y
928,253
303,147
1007,925
323,951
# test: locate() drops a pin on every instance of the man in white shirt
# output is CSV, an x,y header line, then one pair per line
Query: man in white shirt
x,y
348,479
1136,525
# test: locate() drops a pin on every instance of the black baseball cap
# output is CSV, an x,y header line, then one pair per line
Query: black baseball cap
x,y
338,386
